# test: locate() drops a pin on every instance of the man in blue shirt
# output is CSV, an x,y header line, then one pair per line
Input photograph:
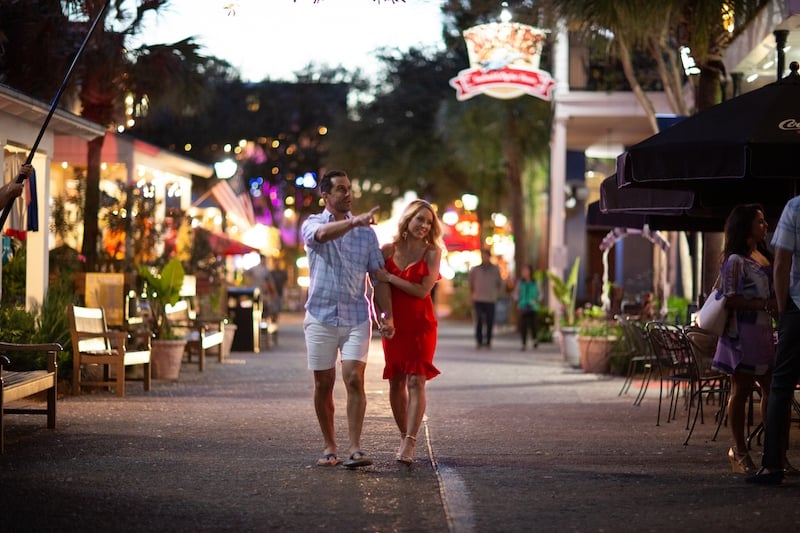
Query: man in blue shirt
x,y
342,249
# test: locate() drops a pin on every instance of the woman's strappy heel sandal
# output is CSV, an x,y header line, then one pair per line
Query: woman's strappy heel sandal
x,y
741,463
402,441
407,460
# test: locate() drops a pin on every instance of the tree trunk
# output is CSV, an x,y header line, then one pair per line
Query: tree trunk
x,y
513,160
630,75
92,203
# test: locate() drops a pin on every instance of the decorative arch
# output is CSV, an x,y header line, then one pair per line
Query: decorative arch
x,y
617,234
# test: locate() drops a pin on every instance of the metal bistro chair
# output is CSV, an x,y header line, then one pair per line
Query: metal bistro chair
x,y
709,382
672,362
641,357
680,370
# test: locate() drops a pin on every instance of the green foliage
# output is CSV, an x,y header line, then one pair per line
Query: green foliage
x,y
14,277
545,320
459,301
677,310
163,289
19,326
592,322
565,292
52,324
48,323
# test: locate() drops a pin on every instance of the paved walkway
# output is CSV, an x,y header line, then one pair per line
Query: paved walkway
x,y
514,441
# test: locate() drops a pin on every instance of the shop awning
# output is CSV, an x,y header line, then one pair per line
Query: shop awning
x,y
222,244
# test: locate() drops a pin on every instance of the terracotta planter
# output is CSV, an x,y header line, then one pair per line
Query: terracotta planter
x,y
166,357
568,338
595,354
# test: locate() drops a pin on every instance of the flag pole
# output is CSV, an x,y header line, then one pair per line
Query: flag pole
x,y
21,176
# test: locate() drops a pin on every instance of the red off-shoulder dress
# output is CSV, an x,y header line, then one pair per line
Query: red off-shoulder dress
x,y
411,349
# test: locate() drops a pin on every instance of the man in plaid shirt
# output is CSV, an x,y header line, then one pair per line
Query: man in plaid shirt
x,y
342,251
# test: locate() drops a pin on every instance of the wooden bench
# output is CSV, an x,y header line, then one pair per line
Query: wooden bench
x,y
16,385
200,335
93,344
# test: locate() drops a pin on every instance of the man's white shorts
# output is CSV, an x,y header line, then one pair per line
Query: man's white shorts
x,y
324,342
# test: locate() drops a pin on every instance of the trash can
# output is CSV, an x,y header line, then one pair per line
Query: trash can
x,y
244,305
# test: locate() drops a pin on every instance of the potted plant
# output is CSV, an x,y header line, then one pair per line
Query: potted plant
x,y
564,290
597,337
163,289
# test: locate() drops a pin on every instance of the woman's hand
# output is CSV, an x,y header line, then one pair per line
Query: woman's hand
x,y
382,275
386,326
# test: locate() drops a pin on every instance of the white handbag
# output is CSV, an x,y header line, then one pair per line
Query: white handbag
x,y
713,316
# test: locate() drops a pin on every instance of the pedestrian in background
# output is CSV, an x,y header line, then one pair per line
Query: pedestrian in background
x,y
412,270
786,243
279,278
485,283
260,277
745,350
526,293
342,249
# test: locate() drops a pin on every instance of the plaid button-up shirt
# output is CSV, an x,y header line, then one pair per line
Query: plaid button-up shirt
x,y
787,236
337,293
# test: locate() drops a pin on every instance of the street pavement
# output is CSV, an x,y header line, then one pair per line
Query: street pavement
x,y
513,441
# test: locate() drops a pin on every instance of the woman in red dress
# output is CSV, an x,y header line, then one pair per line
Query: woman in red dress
x,y
412,269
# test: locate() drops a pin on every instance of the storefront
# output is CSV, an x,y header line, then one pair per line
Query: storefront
x,y
21,119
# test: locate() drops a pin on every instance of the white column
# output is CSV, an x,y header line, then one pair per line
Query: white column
x,y
558,172
557,260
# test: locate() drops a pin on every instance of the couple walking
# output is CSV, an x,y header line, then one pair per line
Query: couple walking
x,y
342,250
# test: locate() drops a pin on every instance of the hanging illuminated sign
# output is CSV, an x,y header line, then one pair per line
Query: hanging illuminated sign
x,y
504,62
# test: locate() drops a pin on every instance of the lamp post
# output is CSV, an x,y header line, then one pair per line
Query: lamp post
x,y
469,201
226,168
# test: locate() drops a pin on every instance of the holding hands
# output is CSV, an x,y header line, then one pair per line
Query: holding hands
x,y
386,326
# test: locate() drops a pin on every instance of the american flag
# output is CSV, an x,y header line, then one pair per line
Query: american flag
x,y
238,207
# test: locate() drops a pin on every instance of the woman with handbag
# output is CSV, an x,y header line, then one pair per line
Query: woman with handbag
x,y
746,349
527,295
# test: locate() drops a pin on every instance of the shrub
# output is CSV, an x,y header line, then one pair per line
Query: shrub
x,y
48,323
53,323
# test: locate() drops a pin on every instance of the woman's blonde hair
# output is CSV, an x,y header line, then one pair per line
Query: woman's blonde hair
x,y
434,235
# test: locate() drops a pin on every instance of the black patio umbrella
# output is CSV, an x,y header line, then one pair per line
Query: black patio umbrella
x,y
666,209
742,150
616,198
597,219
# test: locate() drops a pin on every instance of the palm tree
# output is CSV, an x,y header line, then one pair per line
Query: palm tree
x,y
163,75
659,29
110,72
501,144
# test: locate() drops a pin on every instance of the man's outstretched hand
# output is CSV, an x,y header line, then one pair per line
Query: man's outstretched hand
x,y
364,219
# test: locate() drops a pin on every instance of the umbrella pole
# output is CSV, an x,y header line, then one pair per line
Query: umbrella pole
x,y
21,177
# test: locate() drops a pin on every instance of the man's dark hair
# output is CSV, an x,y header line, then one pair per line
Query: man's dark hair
x,y
325,184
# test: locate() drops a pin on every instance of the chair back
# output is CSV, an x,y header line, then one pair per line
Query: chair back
x,y
89,320
672,349
634,330
704,345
